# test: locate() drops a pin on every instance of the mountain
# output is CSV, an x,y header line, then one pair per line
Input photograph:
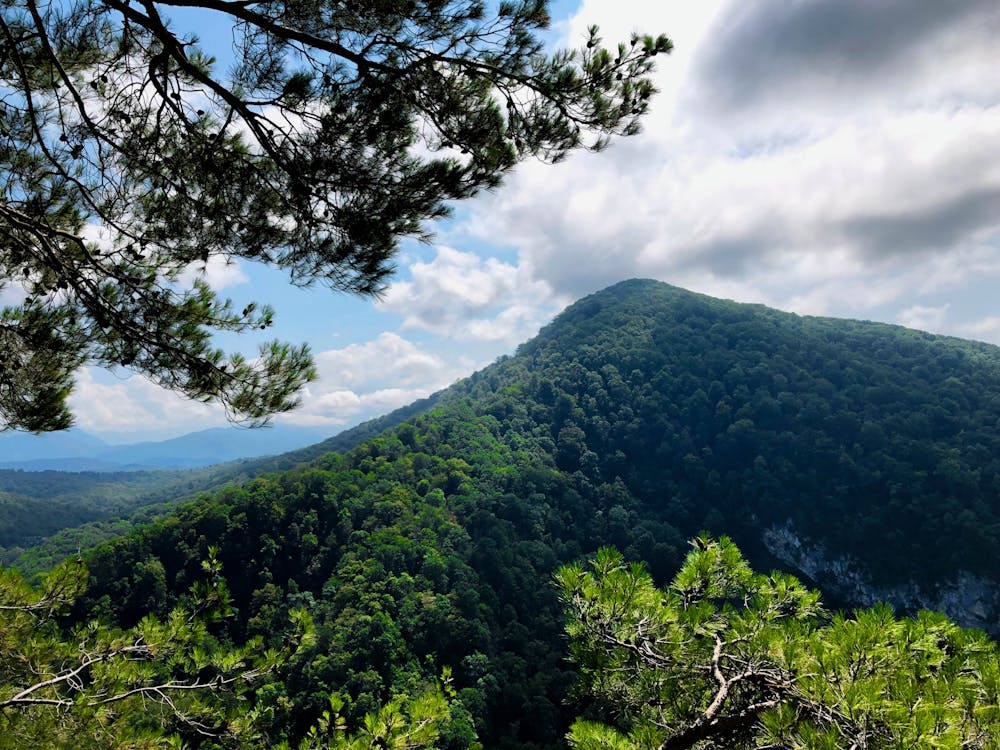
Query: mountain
x,y
18,447
214,446
77,451
863,456
47,515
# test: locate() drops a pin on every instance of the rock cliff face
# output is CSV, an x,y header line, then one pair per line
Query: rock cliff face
x,y
969,600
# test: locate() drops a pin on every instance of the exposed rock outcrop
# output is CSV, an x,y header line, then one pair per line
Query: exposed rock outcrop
x,y
969,600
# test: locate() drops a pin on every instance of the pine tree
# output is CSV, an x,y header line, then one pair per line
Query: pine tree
x,y
343,126
404,723
97,686
726,658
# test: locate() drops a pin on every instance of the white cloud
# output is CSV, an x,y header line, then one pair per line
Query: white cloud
x,y
361,381
219,272
932,319
99,235
943,320
356,382
463,296
872,191
385,362
12,293
985,329
136,405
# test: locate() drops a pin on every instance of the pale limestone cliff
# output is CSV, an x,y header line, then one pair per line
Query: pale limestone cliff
x,y
969,600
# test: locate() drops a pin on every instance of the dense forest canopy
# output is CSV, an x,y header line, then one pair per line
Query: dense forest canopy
x,y
337,129
88,507
642,415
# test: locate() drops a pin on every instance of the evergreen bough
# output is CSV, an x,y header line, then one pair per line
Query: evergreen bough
x,y
727,658
341,127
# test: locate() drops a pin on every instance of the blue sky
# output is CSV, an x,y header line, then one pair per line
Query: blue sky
x,y
832,157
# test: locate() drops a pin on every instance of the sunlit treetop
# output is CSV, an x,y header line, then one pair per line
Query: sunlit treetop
x,y
341,127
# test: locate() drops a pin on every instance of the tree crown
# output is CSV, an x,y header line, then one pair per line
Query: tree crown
x,y
726,658
343,126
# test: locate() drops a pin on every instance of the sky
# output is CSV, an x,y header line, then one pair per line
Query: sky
x,y
825,157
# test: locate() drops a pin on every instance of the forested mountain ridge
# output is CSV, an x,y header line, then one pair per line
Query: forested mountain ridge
x,y
875,442
48,515
640,416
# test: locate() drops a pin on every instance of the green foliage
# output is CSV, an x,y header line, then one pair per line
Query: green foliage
x,y
725,658
380,546
874,442
641,416
152,685
404,723
92,507
34,505
339,129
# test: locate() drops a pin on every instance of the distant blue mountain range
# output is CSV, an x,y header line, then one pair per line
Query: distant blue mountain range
x,y
76,450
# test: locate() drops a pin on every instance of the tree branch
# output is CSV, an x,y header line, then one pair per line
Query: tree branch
x,y
711,723
718,727
266,23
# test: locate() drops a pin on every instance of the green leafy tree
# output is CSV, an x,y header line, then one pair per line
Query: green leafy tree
x,y
726,658
343,126
96,686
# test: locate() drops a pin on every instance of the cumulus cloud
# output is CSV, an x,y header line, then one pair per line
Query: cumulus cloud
x,y
985,329
365,380
932,319
218,273
12,293
385,362
136,405
356,382
942,320
463,296
822,156
99,235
